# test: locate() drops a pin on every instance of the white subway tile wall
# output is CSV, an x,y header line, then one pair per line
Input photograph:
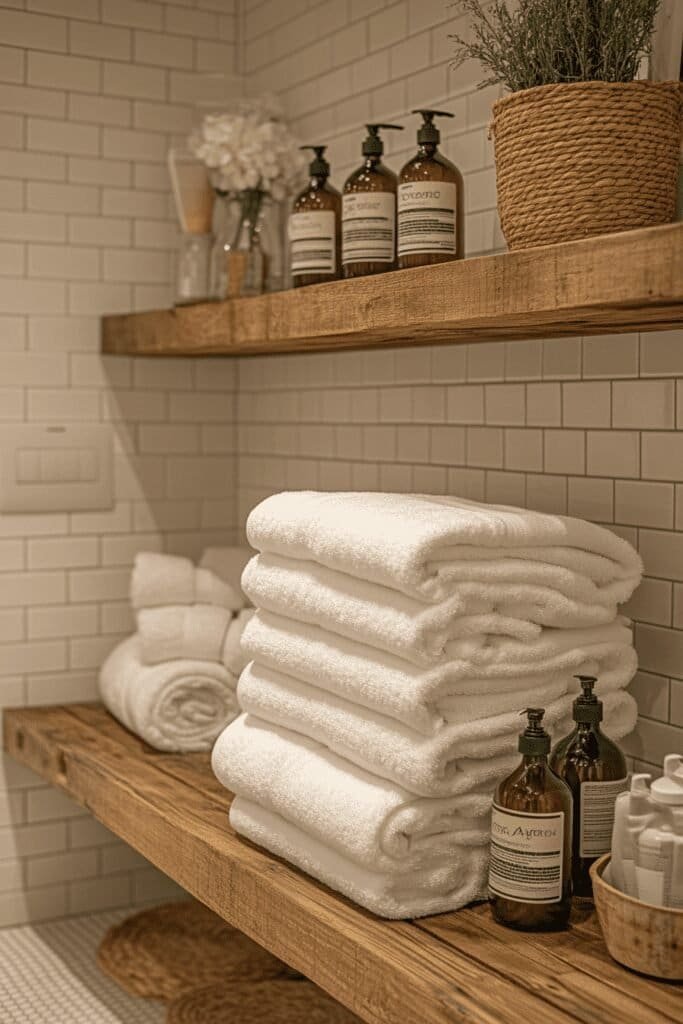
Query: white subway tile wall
x,y
591,427
86,227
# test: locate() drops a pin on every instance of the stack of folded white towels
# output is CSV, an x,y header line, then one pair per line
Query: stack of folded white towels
x,y
396,640
174,681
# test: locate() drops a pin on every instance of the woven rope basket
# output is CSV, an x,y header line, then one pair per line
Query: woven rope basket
x,y
166,951
266,1002
586,158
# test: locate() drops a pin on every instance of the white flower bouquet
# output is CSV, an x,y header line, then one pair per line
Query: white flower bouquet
x,y
251,156
249,148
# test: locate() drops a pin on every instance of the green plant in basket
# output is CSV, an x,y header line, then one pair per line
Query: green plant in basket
x,y
582,148
542,42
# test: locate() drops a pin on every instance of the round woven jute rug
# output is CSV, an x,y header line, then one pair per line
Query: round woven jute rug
x,y
166,951
263,1002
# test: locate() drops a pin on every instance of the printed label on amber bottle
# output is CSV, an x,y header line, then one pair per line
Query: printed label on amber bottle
x,y
312,242
597,816
426,217
526,856
368,227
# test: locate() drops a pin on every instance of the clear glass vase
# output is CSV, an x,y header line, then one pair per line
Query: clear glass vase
x,y
225,224
248,258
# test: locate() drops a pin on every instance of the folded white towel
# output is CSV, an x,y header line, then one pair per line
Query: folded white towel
x,y
159,580
183,631
373,822
425,699
451,762
409,541
392,894
228,564
391,621
233,656
177,705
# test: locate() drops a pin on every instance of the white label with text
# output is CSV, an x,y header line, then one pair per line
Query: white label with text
x,y
597,816
368,227
426,217
312,242
526,856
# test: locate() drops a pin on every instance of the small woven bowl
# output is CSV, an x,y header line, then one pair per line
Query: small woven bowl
x,y
166,951
263,1002
638,935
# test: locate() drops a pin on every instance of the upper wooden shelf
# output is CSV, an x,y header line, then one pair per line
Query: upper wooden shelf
x,y
459,968
624,282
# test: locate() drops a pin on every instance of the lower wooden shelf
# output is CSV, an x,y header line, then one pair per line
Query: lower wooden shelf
x,y
458,967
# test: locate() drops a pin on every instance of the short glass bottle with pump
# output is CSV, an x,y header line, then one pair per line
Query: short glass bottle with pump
x,y
530,878
314,227
431,214
369,211
594,768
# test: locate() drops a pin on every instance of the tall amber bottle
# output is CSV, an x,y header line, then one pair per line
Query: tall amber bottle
x,y
314,227
431,211
369,211
530,885
594,768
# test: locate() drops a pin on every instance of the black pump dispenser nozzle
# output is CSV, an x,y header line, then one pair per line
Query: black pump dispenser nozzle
x,y
373,145
587,707
428,132
534,740
318,167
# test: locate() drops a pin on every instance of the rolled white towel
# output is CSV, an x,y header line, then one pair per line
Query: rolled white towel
x,y
178,705
411,629
195,631
159,580
372,821
228,564
450,762
233,656
410,541
417,893
454,691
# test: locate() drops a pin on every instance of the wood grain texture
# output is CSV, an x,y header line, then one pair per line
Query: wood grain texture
x,y
612,283
452,968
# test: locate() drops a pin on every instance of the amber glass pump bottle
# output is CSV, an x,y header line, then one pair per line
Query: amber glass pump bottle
x,y
369,211
431,214
595,771
314,226
530,883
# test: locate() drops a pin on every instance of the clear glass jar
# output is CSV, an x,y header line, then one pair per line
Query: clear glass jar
x,y
192,281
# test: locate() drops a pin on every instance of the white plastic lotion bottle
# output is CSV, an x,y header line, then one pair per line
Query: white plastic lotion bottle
x,y
659,849
631,813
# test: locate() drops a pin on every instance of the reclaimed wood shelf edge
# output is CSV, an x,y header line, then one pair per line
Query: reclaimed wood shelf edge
x,y
459,968
611,283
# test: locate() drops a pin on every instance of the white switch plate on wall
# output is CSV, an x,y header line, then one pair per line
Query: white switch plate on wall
x,y
56,467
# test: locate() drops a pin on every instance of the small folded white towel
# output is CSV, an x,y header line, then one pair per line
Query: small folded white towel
x,y
425,699
233,656
159,580
410,541
401,625
373,822
178,705
196,631
451,762
461,880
